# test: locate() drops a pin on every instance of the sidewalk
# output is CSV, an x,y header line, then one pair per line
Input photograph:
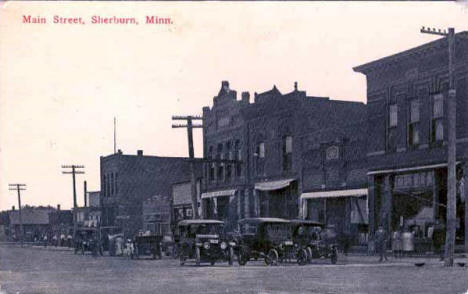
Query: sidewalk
x,y
409,260
41,247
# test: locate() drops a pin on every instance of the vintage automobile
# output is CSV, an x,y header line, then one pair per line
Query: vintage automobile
x,y
203,240
317,241
267,238
147,245
88,239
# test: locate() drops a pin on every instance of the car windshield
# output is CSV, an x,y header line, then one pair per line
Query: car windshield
x,y
277,231
210,229
248,229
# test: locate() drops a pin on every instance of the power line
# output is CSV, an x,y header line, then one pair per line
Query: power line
x,y
75,169
18,188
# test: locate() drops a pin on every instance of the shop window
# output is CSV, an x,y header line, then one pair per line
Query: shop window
x,y
413,128
437,134
287,153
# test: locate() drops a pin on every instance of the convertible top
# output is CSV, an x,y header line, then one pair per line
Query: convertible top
x,y
187,222
259,220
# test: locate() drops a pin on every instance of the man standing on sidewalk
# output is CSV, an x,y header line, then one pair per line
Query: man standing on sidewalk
x,y
381,243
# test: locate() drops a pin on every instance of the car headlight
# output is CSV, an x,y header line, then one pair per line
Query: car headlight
x,y
223,245
206,245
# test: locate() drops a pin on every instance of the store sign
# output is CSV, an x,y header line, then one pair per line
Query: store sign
x,y
415,180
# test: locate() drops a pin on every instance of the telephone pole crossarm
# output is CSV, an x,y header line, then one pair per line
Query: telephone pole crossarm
x,y
18,188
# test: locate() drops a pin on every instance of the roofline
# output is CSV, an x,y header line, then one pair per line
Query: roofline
x,y
363,68
150,156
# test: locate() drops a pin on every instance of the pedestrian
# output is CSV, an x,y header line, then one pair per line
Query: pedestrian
x,y
381,243
438,238
55,240
45,240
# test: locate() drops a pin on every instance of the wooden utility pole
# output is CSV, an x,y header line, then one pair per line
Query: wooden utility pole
x,y
85,194
451,152
190,126
74,171
18,188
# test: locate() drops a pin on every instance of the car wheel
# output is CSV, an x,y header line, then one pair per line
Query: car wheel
x,y
301,257
182,259
242,257
309,254
334,256
197,256
272,257
231,256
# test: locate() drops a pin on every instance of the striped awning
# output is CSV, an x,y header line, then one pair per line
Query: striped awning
x,y
218,193
335,193
273,185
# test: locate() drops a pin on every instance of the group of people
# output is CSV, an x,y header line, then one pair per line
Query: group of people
x,y
56,240
436,233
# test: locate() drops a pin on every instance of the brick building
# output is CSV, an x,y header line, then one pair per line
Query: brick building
x,y
128,180
407,143
224,137
335,179
266,138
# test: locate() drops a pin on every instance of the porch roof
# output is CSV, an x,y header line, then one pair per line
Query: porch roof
x,y
273,185
221,193
335,193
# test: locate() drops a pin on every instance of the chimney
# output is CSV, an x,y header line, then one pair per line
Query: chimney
x,y
246,97
225,86
140,152
58,207
13,208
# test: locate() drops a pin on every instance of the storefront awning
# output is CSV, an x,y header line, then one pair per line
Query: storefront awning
x,y
218,194
273,185
336,193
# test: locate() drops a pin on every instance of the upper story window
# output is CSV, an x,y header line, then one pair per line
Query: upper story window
x,y
414,128
437,134
105,186
393,115
392,127
287,153
238,157
260,158
116,183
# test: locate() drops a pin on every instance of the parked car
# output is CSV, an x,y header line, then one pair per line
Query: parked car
x,y
204,241
147,245
88,239
267,238
319,242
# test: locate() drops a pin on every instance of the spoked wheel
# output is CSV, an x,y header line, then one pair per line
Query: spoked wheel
x,y
197,256
231,256
334,256
272,257
182,259
301,257
309,254
242,257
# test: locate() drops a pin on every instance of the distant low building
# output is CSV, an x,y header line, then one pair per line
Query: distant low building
x,y
35,220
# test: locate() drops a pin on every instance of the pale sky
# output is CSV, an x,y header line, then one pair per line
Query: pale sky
x,y
61,85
